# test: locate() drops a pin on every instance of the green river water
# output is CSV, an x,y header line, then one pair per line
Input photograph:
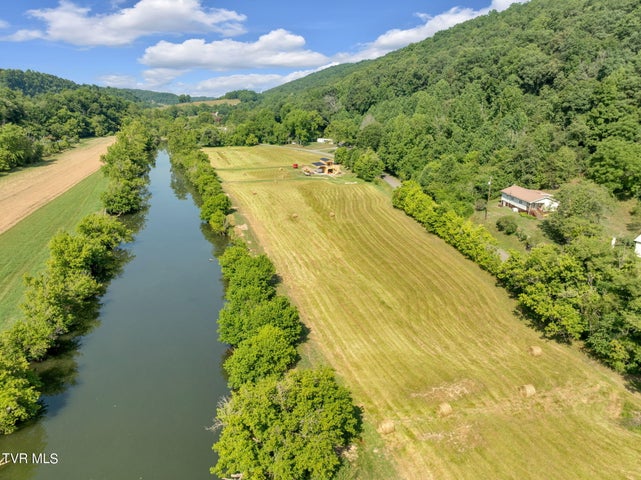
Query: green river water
x,y
142,385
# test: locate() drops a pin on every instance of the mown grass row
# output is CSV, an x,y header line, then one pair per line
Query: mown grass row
x,y
585,291
408,323
61,299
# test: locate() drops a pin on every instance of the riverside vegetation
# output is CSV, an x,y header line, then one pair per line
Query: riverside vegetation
x,y
65,296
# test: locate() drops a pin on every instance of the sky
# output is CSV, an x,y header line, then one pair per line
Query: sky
x,y
210,47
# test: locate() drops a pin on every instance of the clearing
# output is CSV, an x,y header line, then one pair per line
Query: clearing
x,y
28,189
410,325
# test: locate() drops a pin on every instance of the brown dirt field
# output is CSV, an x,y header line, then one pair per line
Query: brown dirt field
x,y
26,190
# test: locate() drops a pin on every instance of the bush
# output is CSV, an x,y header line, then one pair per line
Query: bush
x,y
18,391
294,428
268,353
507,225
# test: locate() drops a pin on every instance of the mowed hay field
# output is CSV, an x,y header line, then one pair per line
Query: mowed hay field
x,y
427,343
24,247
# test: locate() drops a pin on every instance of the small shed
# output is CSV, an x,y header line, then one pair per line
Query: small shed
x,y
327,167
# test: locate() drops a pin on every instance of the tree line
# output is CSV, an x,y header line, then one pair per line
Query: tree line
x,y
65,296
184,152
280,422
583,290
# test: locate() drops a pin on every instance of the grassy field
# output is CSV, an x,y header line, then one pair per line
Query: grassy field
x,y
409,325
23,248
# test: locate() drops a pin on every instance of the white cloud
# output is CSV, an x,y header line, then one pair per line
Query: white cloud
x,y
120,81
74,24
397,38
159,77
24,35
278,48
218,86
3,24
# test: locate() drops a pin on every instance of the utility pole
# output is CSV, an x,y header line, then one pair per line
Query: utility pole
x,y
489,191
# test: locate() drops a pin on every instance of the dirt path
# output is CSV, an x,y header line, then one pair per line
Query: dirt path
x,y
25,191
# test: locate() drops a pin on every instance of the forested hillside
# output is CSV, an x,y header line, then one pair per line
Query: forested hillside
x,y
535,95
41,114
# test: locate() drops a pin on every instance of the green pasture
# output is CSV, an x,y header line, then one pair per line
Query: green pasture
x,y
24,247
429,345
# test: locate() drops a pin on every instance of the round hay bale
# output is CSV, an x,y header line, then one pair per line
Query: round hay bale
x,y
528,390
294,215
535,351
386,427
444,409
331,214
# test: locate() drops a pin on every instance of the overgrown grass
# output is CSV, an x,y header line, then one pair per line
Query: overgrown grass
x,y
24,247
408,324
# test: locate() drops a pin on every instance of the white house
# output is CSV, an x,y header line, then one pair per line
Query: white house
x,y
637,246
528,201
324,140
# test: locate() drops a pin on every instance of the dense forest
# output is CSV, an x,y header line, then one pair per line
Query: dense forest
x,y
536,95
41,114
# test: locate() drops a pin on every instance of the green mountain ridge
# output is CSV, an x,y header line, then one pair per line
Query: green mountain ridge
x,y
538,94
32,83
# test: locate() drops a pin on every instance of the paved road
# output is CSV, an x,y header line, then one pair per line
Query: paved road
x,y
392,181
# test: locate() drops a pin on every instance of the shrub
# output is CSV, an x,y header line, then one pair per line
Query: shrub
x,y
268,353
507,225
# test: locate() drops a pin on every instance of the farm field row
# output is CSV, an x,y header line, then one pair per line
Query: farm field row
x,y
35,203
24,191
410,325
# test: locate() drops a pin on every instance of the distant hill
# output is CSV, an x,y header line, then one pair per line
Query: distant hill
x,y
151,98
31,83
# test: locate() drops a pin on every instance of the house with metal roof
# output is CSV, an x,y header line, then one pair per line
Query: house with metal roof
x,y
529,201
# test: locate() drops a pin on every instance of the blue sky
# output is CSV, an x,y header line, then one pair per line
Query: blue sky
x,y
209,47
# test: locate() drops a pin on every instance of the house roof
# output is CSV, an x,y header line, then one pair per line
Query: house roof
x,y
529,196
318,164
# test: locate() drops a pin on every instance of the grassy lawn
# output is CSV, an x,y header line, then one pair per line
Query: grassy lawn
x,y
618,223
527,223
409,324
23,248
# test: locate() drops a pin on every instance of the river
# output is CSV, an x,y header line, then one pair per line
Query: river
x,y
142,385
